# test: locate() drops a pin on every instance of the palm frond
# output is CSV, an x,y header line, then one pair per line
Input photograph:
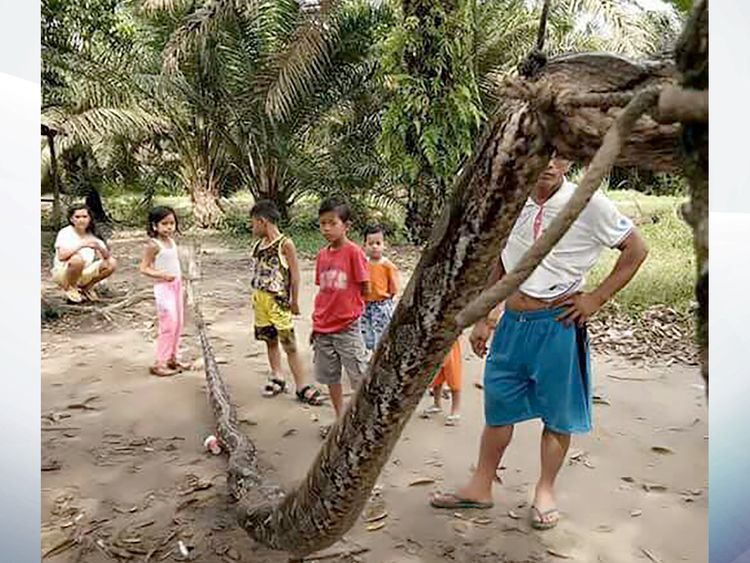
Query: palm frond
x,y
202,24
322,46
300,66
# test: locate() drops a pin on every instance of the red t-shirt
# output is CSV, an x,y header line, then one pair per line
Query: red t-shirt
x,y
339,272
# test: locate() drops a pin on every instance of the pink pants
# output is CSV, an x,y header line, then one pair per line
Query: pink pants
x,y
170,310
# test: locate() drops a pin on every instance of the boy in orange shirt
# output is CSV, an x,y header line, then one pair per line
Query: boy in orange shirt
x,y
450,374
379,301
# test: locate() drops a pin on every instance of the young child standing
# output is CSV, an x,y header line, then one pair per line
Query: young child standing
x,y
275,281
343,277
450,374
161,262
379,301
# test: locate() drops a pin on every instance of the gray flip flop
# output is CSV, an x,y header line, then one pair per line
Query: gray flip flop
x,y
537,521
458,502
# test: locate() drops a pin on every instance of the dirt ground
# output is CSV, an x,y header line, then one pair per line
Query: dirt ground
x,y
125,475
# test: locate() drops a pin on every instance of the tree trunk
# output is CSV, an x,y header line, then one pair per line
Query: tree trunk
x,y
692,62
56,207
452,271
204,195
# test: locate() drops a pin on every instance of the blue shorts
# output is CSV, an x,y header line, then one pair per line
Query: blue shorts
x,y
375,320
538,368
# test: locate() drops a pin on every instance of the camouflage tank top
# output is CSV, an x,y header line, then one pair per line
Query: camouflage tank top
x,y
269,270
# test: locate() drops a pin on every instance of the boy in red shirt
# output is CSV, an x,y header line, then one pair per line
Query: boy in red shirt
x,y
342,274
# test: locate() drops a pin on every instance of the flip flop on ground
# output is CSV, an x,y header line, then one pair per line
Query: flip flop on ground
x,y
544,520
452,500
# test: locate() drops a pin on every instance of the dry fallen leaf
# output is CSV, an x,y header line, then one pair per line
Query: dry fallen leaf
x,y
482,520
661,450
513,515
635,513
376,526
422,481
628,479
559,554
650,555
654,487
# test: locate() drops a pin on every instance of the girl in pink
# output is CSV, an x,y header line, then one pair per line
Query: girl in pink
x,y
161,262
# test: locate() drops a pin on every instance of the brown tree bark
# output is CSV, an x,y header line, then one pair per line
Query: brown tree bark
x,y
204,195
56,207
692,63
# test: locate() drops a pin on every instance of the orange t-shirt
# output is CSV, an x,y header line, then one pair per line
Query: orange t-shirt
x,y
383,280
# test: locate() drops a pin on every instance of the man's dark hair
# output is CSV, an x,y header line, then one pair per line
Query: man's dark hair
x,y
338,206
266,209
373,230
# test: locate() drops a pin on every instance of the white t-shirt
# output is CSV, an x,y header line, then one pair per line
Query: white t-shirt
x,y
68,239
563,270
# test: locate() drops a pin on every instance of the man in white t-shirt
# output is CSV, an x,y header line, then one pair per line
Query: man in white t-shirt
x,y
538,365
81,258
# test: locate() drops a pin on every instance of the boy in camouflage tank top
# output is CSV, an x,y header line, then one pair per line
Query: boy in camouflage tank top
x,y
275,280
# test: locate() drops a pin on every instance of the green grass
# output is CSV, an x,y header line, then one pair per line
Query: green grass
x,y
667,276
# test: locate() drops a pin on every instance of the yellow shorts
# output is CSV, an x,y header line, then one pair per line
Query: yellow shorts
x,y
272,320
89,273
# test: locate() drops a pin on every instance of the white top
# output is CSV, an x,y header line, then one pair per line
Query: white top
x,y
69,239
563,270
167,259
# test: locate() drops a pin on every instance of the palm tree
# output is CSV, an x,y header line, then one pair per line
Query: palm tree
x,y
280,74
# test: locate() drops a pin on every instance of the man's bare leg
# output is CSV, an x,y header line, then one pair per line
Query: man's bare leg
x,y
495,440
554,446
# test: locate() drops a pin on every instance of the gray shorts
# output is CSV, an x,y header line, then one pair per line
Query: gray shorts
x,y
334,350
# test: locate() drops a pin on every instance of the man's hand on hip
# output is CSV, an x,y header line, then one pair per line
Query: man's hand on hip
x,y
579,308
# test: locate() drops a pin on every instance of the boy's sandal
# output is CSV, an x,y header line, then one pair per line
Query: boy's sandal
x,y
274,386
310,395
540,520
453,501
161,371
